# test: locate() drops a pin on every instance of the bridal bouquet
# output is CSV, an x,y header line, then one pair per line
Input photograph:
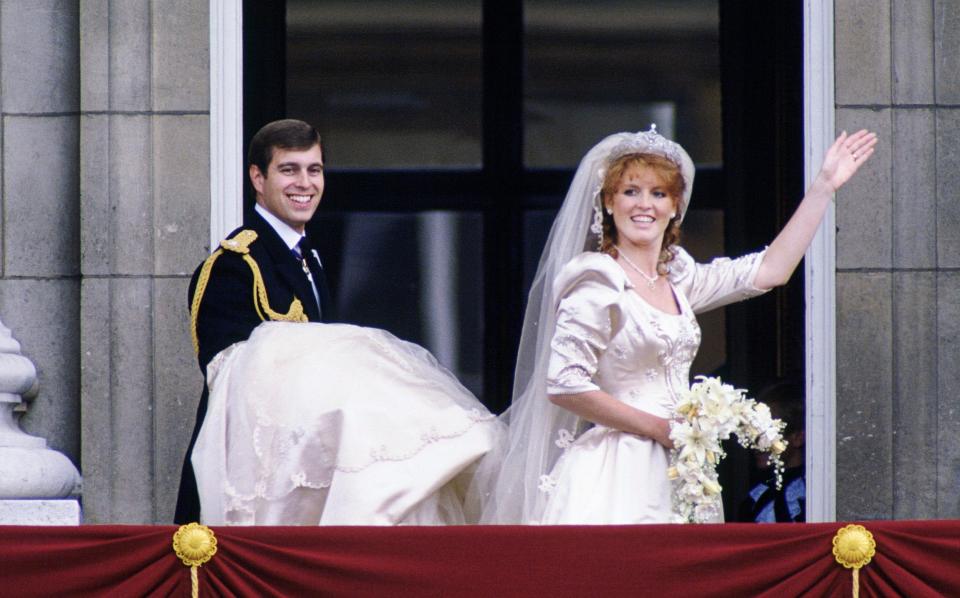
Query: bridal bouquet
x,y
707,414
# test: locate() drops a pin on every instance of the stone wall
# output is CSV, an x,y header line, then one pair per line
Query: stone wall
x,y
898,250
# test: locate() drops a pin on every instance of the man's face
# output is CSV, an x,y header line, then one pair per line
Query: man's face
x,y
292,186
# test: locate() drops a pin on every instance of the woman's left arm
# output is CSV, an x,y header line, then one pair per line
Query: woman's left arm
x,y
843,159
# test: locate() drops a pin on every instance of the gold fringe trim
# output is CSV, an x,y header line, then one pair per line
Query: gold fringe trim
x,y
853,547
240,243
194,545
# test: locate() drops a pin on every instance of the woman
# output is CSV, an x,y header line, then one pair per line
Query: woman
x,y
610,332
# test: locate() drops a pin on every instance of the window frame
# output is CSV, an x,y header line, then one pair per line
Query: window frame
x,y
502,189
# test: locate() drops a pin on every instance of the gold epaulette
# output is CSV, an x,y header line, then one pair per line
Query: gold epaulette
x,y
240,244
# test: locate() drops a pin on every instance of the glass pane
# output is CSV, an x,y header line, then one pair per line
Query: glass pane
x,y
389,83
420,276
595,67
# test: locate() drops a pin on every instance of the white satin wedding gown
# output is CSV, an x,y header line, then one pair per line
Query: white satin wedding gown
x,y
333,424
607,337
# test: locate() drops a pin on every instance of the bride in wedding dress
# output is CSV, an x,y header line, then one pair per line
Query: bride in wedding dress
x,y
333,424
610,332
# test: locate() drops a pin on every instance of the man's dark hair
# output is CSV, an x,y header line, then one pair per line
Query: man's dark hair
x,y
286,134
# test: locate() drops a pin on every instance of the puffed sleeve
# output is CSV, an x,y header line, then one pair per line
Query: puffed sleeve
x,y
721,282
588,316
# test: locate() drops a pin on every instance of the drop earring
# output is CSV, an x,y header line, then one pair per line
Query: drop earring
x,y
597,226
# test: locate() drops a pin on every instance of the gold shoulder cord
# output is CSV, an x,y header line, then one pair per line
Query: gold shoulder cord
x,y
198,296
294,312
240,243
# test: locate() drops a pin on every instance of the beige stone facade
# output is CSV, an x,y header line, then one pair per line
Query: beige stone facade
x,y
898,289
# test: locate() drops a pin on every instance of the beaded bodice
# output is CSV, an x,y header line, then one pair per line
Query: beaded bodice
x,y
647,363
608,337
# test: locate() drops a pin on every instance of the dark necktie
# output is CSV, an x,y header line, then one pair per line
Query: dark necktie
x,y
304,252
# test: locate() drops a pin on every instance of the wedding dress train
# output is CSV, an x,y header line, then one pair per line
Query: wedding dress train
x,y
333,424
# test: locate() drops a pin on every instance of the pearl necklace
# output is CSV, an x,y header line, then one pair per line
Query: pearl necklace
x,y
651,280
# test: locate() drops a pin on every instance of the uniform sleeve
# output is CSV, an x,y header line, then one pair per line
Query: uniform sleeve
x,y
227,313
721,282
588,316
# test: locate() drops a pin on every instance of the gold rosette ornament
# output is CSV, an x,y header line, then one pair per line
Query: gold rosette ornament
x,y
194,544
853,547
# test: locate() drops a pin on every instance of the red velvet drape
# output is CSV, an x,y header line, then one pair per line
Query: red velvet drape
x,y
914,558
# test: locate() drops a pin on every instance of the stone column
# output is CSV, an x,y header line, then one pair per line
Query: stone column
x,y
144,188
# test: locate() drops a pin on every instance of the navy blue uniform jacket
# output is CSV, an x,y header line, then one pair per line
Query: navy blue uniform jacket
x,y
227,314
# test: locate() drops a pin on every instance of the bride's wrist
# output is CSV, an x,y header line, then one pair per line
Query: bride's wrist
x,y
822,186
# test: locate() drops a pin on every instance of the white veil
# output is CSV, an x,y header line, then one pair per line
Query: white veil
x,y
534,422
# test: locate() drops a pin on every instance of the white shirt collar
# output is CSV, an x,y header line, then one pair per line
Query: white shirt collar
x,y
289,236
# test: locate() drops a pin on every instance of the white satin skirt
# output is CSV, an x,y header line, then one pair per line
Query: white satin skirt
x,y
609,477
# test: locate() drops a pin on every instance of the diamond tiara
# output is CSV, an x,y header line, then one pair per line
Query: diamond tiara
x,y
647,142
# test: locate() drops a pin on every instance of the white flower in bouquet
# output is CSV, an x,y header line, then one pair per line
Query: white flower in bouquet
x,y
707,414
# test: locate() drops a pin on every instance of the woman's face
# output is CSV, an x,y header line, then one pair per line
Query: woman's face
x,y
642,207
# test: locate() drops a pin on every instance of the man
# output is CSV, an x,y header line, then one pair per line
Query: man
x,y
264,270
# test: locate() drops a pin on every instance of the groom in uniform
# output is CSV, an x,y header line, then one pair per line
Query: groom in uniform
x,y
263,271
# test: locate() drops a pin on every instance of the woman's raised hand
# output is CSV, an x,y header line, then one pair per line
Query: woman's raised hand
x,y
846,156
